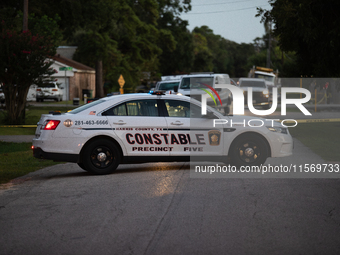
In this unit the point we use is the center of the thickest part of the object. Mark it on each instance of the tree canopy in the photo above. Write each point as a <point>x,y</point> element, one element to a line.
<point>310,29</point>
<point>24,59</point>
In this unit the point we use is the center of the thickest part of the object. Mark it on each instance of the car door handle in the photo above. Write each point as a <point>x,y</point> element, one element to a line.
<point>177,123</point>
<point>120,122</point>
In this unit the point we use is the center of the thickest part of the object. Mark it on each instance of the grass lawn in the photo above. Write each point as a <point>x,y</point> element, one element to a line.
<point>17,131</point>
<point>322,138</point>
<point>16,159</point>
<point>33,114</point>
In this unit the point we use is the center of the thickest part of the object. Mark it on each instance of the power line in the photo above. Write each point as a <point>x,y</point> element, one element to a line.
<point>226,11</point>
<point>222,3</point>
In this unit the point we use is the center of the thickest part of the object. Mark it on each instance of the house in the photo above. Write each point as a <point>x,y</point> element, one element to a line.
<point>74,77</point>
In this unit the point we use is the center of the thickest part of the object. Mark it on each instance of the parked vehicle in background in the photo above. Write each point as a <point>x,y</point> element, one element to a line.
<point>49,90</point>
<point>168,83</point>
<point>268,74</point>
<point>196,84</point>
<point>261,93</point>
<point>32,93</point>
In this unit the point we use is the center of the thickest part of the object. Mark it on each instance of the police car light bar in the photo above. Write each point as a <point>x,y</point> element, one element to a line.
<point>158,92</point>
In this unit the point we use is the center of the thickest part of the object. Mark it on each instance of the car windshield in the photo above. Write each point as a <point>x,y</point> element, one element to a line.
<point>87,106</point>
<point>256,84</point>
<point>196,82</point>
<point>168,85</point>
<point>266,77</point>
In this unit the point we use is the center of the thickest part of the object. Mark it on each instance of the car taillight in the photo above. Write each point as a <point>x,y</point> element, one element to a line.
<point>54,89</point>
<point>51,124</point>
<point>38,89</point>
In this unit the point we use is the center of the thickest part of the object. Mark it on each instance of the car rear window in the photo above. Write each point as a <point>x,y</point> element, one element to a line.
<point>87,106</point>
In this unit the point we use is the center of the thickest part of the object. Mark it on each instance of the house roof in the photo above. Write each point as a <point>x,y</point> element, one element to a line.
<point>72,63</point>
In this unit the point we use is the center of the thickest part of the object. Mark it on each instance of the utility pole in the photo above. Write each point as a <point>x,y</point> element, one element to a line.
<point>25,28</point>
<point>25,21</point>
<point>269,44</point>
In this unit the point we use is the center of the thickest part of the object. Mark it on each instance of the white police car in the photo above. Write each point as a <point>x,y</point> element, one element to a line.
<point>137,128</point>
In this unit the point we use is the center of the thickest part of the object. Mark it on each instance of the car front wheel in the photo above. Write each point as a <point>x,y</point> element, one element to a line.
<point>249,150</point>
<point>101,157</point>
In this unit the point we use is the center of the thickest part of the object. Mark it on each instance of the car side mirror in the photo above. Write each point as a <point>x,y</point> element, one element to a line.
<point>175,88</point>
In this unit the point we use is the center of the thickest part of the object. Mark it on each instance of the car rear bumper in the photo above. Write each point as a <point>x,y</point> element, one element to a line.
<point>63,157</point>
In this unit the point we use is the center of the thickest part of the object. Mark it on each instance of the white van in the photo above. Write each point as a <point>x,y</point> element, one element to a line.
<point>196,84</point>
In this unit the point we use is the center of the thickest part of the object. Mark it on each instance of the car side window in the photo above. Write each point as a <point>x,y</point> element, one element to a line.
<point>177,108</point>
<point>119,110</point>
<point>134,108</point>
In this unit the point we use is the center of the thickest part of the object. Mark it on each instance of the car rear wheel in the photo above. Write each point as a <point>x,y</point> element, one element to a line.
<point>82,166</point>
<point>101,157</point>
<point>249,150</point>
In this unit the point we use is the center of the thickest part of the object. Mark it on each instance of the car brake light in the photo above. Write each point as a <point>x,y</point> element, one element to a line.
<point>38,89</point>
<point>52,125</point>
<point>54,90</point>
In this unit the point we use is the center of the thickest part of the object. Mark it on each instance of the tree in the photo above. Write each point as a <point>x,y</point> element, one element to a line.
<point>311,29</point>
<point>218,49</point>
<point>175,39</point>
<point>227,56</point>
<point>24,61</point>
<point>203,61</point>
<point>122,34</point>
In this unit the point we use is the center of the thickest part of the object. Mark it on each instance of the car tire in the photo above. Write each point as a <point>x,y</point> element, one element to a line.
<point>248,150</point>
<point>82,166</point>
<point>101,157</point>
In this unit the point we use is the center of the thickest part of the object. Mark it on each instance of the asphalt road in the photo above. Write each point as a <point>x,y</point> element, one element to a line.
<point>161,209</point>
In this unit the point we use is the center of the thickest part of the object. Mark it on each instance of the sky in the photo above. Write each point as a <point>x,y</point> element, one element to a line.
<point>232,19</point>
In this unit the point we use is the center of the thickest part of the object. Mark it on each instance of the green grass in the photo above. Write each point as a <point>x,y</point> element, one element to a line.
<point>16,131</point>
<point>33,114</point>
<point>321,138</point>
<point>16,159</point>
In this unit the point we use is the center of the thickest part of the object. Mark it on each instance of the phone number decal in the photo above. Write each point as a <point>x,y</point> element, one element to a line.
<point>91,122</point>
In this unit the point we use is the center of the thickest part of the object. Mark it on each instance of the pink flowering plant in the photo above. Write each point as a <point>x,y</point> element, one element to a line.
<point>25,59</point>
